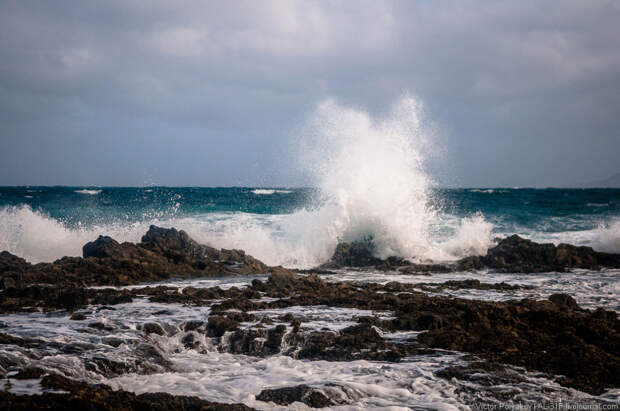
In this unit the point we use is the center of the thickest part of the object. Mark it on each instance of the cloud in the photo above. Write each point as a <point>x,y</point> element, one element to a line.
<point>180,41</point>
<point>498,77</point>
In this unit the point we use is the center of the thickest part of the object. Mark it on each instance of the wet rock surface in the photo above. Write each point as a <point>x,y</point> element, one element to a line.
<point>513,254</point>
<point>579,348</point>
<point>68,394</point>
<point>315,397</point>
<point>163,253</point>
<point>553,336</point>
<point>362,254</point>
<point>519,255</point>
<point>470,284</point>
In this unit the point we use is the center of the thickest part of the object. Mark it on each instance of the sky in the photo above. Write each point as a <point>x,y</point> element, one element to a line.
<point>206,93</point>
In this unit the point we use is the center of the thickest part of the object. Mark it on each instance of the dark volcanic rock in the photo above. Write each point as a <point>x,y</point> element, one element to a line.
<point>259,342</point>
<point>218,324</point>
<point>516,254</point>
<point>512,254</point>
<point>102,247</point>
<point>162,254</point>
<point>482,372</point>
<point>310,396</point>
<point>50,297</point>
<point>470,284</point>
<point>153,328</point>
<point>77,317</point>
<point>353,343</point>
<point>81,396</point>
<point>361,254</point>
<point>355,254</point>
<point>29,373</point>
<point>564,301</point>
<point>553,336</point>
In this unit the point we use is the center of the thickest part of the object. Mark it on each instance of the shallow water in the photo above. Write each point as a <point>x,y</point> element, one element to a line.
<point>591,289</point>
<point>211,373</point>
<point>300,227</point>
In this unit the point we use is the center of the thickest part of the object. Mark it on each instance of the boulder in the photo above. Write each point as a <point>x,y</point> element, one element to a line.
<point>218,324</point>
<point>162,254</point>
<point>355,254</point>
<point>102,247</point>
<point>312,397</point>
<point>153,328</point>
<point>74,395</point>
<point>519,255</point>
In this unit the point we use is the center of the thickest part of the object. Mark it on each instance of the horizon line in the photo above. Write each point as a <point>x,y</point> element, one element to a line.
<point>302,187</point>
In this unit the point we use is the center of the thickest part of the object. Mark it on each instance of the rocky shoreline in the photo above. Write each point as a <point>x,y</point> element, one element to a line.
<point>578,348</point>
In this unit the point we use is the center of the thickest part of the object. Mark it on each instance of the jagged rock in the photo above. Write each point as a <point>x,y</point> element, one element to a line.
<point>353,343</point>
<point>102,247</point>
<point>564,301</point>
<point>194,325</point>
<point>553,336</point>
<point>29,372</point>
<point>12,263</point>
<point>355,254</point>
<point>310,396</point>
<point>519,255</point>
<point>470,284</point>
<point>161,254</point>
<point>512,254</point>
<point>218,324</point>
<point>315,397</point>
<point>112,341</point>
<point>101,326</point>
<point>81,396</point>
<point>50,297</point>
<point>484,373</point>
<point>189,341</point>
<point>259,342</point>
<point>153,328</point>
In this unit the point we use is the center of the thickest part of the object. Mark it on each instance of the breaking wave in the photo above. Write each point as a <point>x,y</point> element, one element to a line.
<point>371,180</point>
<point>88,192</point>
<point>268,191</point>
<point>371,183</point>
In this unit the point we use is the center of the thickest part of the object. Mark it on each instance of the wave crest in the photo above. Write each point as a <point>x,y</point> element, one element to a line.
<point>607,238</point>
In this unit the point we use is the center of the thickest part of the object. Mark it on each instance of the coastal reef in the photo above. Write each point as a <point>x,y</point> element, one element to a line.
<point>392,321</point>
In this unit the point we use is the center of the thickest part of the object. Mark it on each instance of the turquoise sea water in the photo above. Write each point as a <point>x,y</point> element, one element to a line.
<point>290,219</point>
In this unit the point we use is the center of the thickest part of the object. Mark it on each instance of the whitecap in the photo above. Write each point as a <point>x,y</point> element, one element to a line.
<point>89,192</point>
<point>269,191</point>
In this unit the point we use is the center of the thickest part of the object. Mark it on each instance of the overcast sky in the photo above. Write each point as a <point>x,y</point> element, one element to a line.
<point>125,92</point>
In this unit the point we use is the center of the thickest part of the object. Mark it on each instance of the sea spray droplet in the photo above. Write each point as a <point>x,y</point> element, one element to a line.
<point>371,172</point>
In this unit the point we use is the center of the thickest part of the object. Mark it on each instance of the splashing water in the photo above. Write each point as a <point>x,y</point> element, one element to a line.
<point>370,181</point>
<point>372,174</point>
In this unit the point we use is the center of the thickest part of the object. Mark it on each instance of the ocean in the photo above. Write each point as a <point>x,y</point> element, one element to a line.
<point>299,227</point>
<point>369,181</point>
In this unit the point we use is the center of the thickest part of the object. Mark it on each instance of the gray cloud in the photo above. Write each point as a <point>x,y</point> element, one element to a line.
<point>209,93</point>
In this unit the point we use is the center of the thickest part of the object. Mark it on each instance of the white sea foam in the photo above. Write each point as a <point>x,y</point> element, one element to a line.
<point>591,289</point>
<point>371,174</point>
<point>607,237</point>
<point>219,376</point>
<point>604,237</point>
<point>89,192</point>
<point>371,180</point>
<point>269,191</point>
<point>38,237</point>
<point>371,177</point>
